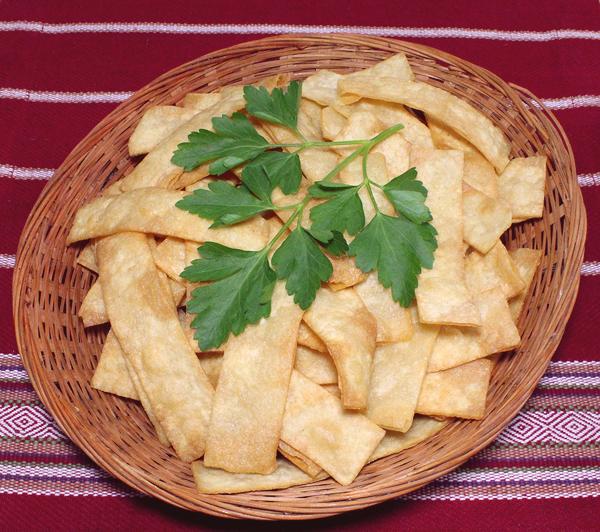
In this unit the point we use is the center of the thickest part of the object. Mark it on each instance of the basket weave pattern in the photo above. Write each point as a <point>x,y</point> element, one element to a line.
<point>60,355</point>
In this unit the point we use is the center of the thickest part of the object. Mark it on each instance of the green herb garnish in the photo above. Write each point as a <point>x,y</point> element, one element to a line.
<point>242,282</point>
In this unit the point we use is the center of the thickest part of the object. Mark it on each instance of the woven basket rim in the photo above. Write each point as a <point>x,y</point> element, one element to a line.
<point>24,260</point>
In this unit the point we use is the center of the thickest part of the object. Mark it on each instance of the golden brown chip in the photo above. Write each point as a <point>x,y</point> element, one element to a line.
<point>315,365</point>
<point>307,338</point>
<point>92,310</point>
<point>442,294</point>
<point>495,268</point>
<point>321,87</point>
<point>111,374</point>
<point>526,261</point>
<point>157,170</point>
<point>250,397</point>
<point>521,186</point>
<point>393,442</point>
<point>348,330</point>
<point>457,392</point>
<point>477,128</point>
<point>87,257</point>
<point>498,330</point>
<point>332,123</point>
<point>455,346</point>
<point>299,460</point>
<point>145,323</point>
<point>200,101</point>
<point>316,424</point>
<point>153,210</point>
<point>211,362</point>
<point>394,323</point>
<point>156,124</point>
<point>169,256</point>
<point>209,480</point>
<point>398,372</point>
<point>485,219</point>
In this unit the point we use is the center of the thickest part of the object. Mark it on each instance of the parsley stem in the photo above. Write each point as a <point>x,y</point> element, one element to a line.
<point>367,182</point>
<point>299,208</point>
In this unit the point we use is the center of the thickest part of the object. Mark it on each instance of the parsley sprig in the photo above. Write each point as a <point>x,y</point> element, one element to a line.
<point>240,283</point>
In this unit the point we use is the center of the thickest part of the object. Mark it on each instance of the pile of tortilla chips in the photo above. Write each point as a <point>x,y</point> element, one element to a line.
<point>302,396</point>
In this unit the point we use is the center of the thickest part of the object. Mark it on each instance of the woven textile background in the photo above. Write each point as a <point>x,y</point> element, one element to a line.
<point>64,65</point>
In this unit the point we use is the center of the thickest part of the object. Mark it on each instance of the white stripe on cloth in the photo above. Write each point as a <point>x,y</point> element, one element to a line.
<point>7,261</point>
<point>589,180</point>
<point>10,93</point>
<point>244,29</point>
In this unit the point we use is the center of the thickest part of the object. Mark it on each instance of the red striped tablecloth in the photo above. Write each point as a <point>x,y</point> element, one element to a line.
<point>65,66</point>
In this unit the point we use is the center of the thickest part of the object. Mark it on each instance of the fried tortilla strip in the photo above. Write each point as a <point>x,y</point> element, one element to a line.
<point>111,374</point>
<point>157,170</point>
<point>422,429</point>
<point>498,331</point>
<point>521,186</point>
<point>398,371</point>
<point>478,172</point>
<point>169,256</point>
<point>332,123</point>
<point>485,219</point>
<point>146,325</point>
<point>495,268</point>
<point>462,117</point>
<point>212,362</point>
<point>316,425</point>
<point>395,67</point>
<point>527,261</point>
<point>321,87</point>
<point>345,273</point>
<point>200,101</point>
<point>348,330</point>
<point>250,397</point>
<point>299,460</point>
<point>307,338</point>
<point>153,210</point>
<point>315,365</point>
<point>394,323</point>
<point>333,389</point>
<point>455,346</point>
<point>87,257</point>
<point>442,294</point>
<point>156,124</point>
<point>209,480</point>
<point>93,311</point>
<point>457,392</point>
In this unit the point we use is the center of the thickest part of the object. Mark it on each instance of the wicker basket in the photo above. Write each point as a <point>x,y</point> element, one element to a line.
<point>60,355</point>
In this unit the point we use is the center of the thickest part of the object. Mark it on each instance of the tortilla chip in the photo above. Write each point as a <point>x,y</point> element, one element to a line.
<point>333,389</point>
<point>309,118</point>
<point>393,321</point>
<point>495,268</point>
<point>395,67</point>
<point>398,371</point>
<point>527,262</point>
<point>316,424</point>
<point>299,460</point>
<point>321,87</point>
<point>92,311</point>
<point>153,210</point>
<point>156,124</point>
<point>209,480</point>
<point>111,374</point>
<point>421,429</point>
<point>87,257</point>
<point>457,392</point>
<point>318,367</point>
<point>485,219</point>
<point>200,101</point>
<point>498,330</point>
<point>332,123</point>
<point>250,397</point>
<point>521,186</point>
<point>211,362</point>
<point>345,273</point>
<point>307,338</point>
<point>442,294</point>
<point>455,346</point>
<point>169,256</point>
<point>348,330</point>
<point>157,170</point>
<point>146,325</point>
<point>462,117</point>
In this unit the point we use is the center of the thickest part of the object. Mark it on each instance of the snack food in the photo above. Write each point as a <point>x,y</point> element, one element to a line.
<point>464,298</point>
